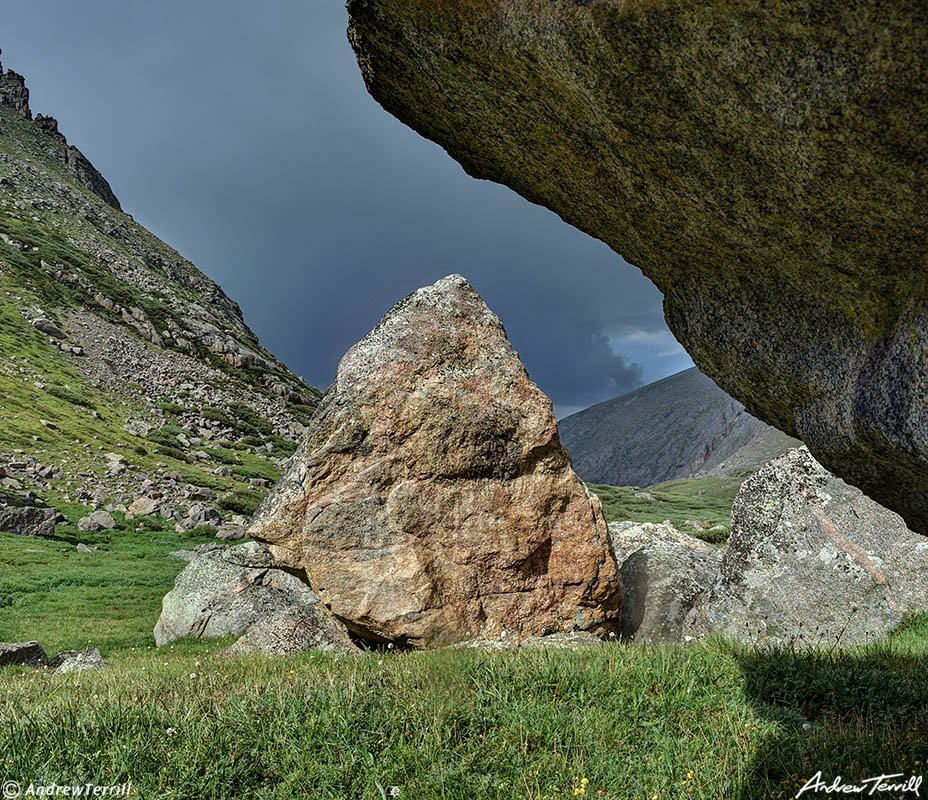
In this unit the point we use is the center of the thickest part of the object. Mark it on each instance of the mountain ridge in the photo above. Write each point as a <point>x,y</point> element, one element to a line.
<point>681,426</point>
<point>112,341</point>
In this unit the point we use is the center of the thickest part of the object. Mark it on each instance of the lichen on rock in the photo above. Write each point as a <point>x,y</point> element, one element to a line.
<point>763,163</point>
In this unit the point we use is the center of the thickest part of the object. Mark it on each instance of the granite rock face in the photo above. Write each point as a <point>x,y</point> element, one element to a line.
<point>763,163</point>
<point>225,591</point>
<point>812,561</point>
<point>433,501</point>
<point>663,572</point>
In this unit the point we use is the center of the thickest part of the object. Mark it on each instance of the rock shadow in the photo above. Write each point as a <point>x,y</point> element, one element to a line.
<point>857,714</point>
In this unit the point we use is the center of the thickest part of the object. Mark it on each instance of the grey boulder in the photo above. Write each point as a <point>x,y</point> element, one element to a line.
<point>294,630</point>
<point>30,654</point>
<point>227,590</point>
<point>49,328</point>
<point>663,571</point>
<point>812,562</point>
<point>97,521</point>
<point>28,521</point>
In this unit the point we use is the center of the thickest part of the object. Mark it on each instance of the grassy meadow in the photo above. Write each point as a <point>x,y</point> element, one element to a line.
<point>705,720</point>
<point>697,499</point>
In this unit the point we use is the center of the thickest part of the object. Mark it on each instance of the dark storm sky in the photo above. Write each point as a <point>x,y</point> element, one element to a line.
<point>241,134</point>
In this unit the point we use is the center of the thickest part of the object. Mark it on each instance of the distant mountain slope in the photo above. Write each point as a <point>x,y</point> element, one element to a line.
<point>678,427</point>
<point>112,343</point>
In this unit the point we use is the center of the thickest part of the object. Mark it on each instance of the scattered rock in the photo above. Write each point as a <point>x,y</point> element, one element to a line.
<point>29,654</point>
<point>96,521</point>
<point>226,591</point>
<point>83,548</point>
<point>433,496</point>
<point>569,640</point>
<point>294,630</point>
<point>28,521</point>
<point>663,572</point>
<point>812,561</point>
<point>137,428</point>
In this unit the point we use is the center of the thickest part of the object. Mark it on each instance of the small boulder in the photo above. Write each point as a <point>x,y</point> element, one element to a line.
<point>812,562</point>
<point>226,591</point>
<point>143,507</point>
<point>83,548</point>
<point>231,533</point>
<point>97,521</point>
<point>49,328</point>
<point>77,661</point>
<point>663,572</point>
<point>28,521</point>
<point>137,428</point>
<point>30,654</point>
<point>294,630</point>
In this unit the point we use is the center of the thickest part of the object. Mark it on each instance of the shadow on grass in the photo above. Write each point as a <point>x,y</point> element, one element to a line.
<point>857,714</point>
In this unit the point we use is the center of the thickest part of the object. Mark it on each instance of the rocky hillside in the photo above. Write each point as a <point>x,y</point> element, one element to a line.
<point>679,427</point>
<point>125,373</point>
<point>763,163</point>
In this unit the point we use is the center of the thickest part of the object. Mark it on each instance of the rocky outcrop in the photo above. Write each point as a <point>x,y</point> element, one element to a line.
<point>812,562</point>
<point>295,630</point>
<point>663,573</point>
<point>225,591</point>
<point>13,92</point>
<point>89,176</point>
<point>763,163</point>
<point>433,501</point>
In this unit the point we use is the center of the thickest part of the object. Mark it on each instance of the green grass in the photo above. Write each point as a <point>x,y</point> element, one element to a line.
<point>710,720</point>
<point>699,499</point>
<point>111,598</point>
<point>706,720</point>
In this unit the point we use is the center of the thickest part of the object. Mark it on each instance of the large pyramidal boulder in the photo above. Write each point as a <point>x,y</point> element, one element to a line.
<point>433,501</point>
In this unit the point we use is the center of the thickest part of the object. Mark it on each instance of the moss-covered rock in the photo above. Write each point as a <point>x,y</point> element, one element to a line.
<point>766,164</point>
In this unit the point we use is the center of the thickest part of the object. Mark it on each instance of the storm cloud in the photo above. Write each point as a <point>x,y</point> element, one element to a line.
<point>242,135</point>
